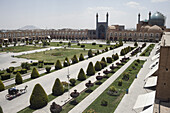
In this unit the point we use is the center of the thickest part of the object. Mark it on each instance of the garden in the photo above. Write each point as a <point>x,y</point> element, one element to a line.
<point>148,50</point>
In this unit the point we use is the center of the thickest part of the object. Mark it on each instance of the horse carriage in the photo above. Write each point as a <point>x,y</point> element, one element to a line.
<point>13,92</point>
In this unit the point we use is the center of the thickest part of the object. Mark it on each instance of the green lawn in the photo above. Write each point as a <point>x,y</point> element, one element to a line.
<point>113,101</point>
<point>90,46</point>
<point>148,50</point>
<point>19,48</point>
<point>55,44</point>
<point>54,55</point>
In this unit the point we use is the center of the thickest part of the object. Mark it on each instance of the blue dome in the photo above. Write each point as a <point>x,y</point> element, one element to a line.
<point>158,16</point>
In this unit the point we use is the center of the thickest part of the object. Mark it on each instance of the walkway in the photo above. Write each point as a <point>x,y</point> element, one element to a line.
<point>47,82</point>
<point>136,89</point>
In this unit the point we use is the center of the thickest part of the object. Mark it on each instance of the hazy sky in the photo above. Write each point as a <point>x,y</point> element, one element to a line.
<point>77,14</point>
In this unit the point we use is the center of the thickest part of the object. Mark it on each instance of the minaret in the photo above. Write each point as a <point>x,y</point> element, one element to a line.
<point>149,17</point>
<point>97,25</point>
<point>107,15</point>
<point>138,18</point>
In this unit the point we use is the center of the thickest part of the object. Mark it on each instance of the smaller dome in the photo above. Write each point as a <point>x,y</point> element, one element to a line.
<point>145,28</point>
<point>155,28</point>
<point>111,27</point>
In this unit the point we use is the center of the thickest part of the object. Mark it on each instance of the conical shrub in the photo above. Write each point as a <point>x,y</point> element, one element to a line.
<point>74,59</point>
<point>103,59</point>
<point>90,69</point>
<point>90,54</point>
<point>34,73</point>
<point>57,88</point>
<point>18,78</point>
<point>98,66</point>
<point>1,111</point>
<point>2,87</point>
<point>81,75</point>
<point>38,97</point>
<point>58,65</point>
<point>66,62</point>
<point>81,58</point>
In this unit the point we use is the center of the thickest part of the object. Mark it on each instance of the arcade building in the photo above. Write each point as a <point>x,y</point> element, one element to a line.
<point>148,30</point>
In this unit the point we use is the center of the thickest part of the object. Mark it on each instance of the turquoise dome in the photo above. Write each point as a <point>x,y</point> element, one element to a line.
<point>158,16</point>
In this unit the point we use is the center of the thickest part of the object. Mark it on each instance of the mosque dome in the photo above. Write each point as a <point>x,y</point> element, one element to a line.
<point>111,27</point>
<point>158,16</point>
<point>158,19</point>
<point>155,28</point>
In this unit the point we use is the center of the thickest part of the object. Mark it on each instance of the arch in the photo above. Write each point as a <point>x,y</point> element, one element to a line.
<point>101,32</point>
<point>111,38</point>
<point>115,38</point>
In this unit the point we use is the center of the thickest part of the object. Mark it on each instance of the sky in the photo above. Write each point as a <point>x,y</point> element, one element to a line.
<point>77,14</point>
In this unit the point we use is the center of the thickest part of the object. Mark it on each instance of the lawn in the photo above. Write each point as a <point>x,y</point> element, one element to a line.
<point>54,55</point>
<point>55,44</point>
<point>113,101</point>
<point>19,48</point>
<point>148,50</point>
<point>90,46</point>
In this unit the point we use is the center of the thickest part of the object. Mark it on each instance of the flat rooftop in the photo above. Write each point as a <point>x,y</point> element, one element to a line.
<point>165,41</point>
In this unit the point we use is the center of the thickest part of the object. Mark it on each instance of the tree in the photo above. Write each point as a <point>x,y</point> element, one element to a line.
<point>38,97</point>
<point>81,75</point>
<point>34,73</point>
<point>81,58</point>
<point>103,59</point>
<point>90,70</point>
<point>90,54</point>
<point>108,42</point>
<point>18,78</point>
<point>58,65</point>
<point>58,88</point>
<point>98,66</point>
<point>2,87</point>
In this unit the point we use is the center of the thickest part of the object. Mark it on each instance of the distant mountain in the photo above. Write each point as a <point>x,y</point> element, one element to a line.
<point>29,27</point>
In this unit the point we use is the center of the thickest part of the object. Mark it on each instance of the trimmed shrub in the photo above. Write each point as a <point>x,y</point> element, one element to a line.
<point>66,62</point>
<point>25,65</point>
<point>93,43</point>
<point>72,81</point>
<point>57,88</point>
<point>98,52</point>
<point>90,54</point>
<point>115,57</point>
<point>82,46</point>
<point>1,72</point>
<point>90,69</point>
<point>34,73</point>
<point>98,66</point>
<point>1,111</point>
<point>60,42</point>
<point>126,76</point>
<point>104,102</point>
<point>23,71</point>
<point>103,59</point>
<point>135,44</point>
<point>109,60</point>
<point>120,82</point>
<point>78,44</point>
<point>48,69</point>
<point>138,60</point>
<point>2,87</point>
<point>11,69</point>
<point>48,63</point>
<point>106,49</point>
<point>58,65</point>
<point>81,75</point>
<point>103,64</point>
<point>40,61</point>
<point>5,76</point>
<point>100,45</point>
<point>81,58</point>
<point>40,65</point>
<point>38,97</point>
<point>35,63</point>
<point>18,78</point>
<point>69,44</point>
<point>74,59</point>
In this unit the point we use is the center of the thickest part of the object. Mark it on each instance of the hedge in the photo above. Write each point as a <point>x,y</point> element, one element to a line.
<point>58,65</point>
<point>2,87</point>
<point>18,78</point>
<point>58,88</point>
<point>38,97</point>
<point>5,76</point>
